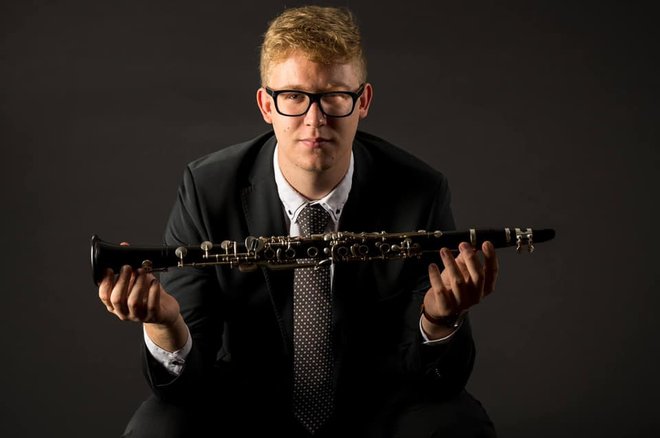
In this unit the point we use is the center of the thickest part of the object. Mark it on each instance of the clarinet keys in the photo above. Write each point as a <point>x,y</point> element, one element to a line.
<point>524,238</point>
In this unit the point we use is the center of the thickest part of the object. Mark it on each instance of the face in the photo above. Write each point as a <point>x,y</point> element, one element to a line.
<point>313,142</point>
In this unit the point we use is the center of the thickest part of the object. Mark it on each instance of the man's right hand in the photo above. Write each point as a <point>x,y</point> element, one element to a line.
<point>138,296</point>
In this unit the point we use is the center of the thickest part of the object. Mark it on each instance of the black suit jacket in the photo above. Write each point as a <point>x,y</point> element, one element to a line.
<point>241,322</point>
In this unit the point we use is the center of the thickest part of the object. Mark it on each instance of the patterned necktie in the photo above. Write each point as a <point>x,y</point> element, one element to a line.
<point>313,395</point>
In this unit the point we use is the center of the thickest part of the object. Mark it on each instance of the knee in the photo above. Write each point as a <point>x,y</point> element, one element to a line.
<point>460,417</point>
<point>156,418</point>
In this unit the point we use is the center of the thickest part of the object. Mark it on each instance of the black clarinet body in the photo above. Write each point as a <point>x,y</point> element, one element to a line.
<point>287,252</point>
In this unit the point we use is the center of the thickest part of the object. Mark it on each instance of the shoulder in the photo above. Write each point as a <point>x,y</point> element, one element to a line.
<point>231,158</point>
<point>389,159</point>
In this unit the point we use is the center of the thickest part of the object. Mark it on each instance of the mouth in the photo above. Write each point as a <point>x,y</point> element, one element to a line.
<point>315,142</point>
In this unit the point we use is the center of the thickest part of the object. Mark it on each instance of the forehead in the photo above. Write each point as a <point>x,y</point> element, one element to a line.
<point>299,72</point>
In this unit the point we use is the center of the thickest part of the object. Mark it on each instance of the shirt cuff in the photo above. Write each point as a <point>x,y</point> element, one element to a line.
<point>443,340</point>
<point>172,361</point>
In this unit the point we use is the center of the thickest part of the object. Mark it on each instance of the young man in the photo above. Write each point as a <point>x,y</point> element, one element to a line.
<point>337,351</point>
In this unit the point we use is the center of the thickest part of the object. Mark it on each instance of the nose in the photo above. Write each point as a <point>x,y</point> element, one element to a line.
<point>314,115</point>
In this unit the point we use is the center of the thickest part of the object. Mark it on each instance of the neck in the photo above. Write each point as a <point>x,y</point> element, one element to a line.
<point>314,185</point>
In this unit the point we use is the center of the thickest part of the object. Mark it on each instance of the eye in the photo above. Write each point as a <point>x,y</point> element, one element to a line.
<point>293,97</point>
<point>336,97</point>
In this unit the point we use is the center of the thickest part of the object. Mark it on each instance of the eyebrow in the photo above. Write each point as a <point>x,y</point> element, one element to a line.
<point>332,87</point>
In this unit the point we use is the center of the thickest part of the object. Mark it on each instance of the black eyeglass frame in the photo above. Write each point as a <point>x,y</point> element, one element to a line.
<point>316,97</point>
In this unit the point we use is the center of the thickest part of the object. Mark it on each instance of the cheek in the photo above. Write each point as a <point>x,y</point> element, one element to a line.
<point>347,127</point>
<point>284,126</point>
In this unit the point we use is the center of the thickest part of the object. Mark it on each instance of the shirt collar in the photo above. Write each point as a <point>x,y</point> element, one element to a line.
<point>294,202</point>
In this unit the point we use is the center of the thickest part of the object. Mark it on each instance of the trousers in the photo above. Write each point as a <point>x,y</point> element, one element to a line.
<point>460,417</point>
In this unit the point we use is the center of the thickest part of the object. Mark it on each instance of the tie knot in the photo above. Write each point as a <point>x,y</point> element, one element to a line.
<point>313,219</point>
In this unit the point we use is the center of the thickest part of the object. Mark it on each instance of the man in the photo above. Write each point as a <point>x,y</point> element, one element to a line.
<point>338,351</point>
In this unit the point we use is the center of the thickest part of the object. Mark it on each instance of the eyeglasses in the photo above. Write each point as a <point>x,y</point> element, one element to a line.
<point>294,103</point>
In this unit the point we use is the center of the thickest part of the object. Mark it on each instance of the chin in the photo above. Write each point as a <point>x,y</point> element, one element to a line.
<point>316,165</point>
<point>317,162</point>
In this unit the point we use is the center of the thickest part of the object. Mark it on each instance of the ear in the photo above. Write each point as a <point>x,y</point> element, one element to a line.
<point>265,104</point>
<point>365,100</point>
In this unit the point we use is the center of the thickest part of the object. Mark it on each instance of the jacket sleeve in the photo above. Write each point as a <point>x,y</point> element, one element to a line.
<point>446,367</point>
<point>198,293</point>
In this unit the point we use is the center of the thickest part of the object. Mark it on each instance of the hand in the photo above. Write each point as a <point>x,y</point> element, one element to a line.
<point>464,282</point>
<point>138,296</point>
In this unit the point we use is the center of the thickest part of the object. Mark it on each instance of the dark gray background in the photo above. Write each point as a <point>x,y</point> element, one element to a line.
<point>542,114</point>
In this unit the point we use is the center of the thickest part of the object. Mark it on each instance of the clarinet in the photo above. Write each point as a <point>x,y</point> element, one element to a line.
<point>316,250</point>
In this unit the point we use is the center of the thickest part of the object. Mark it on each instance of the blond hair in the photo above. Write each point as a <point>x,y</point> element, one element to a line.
<point>326,35</point>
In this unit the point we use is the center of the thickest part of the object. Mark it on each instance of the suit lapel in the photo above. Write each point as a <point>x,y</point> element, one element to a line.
<point>353,217</point>
<point>264,216</point>
<point>260,198</point>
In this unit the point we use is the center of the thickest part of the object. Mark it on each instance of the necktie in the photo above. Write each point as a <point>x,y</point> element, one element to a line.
<point>313,395</point>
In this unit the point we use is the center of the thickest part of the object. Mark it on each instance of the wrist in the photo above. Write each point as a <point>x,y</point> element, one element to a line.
<point>167,324</point>
<point>452,321</point>
<point>169,337</point>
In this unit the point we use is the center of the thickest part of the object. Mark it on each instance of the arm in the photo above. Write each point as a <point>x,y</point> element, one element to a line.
<point>175,310</point>
<point>197,293</point>
<point>447,295</point>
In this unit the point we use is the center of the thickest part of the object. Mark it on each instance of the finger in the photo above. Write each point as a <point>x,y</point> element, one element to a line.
<point>455,276</point>
<point>131,281</point>
<point>136,295</point>
<point>153,299</point>
<point>476,272</point>
<point>120,291</point>
<point>435,278</point>
<point>105,288</point>
<point>131,287</point>
<point>442,299</point>
<point>460,262</point>
<point>492,267</point>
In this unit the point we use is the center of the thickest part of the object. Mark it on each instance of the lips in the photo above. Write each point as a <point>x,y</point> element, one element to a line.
<point>314,142</point>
